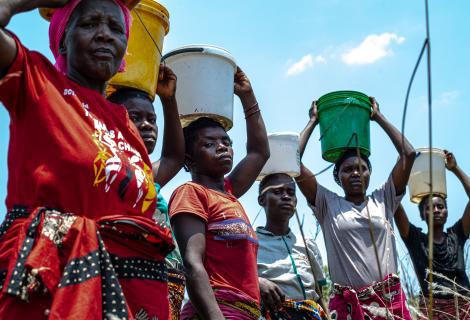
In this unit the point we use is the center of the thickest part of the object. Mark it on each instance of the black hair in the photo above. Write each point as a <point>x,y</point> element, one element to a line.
<point>122,94</point>
<point>190,132</point>
<point>425,200</point>
<point>348,153</point>
<point>267,180</point>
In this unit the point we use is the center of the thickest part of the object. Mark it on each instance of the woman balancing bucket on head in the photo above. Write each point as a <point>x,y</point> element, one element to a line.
<point>450,283</point>
<point>139,106</point>
<point>213,232</point>
<point>135,89</point>
<point>287,280</point>
<point>80,193</point>
<point>363,267</point>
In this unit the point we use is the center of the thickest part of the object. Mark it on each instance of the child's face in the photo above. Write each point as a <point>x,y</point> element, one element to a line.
<point>141,112</point>
<point>212,152</point>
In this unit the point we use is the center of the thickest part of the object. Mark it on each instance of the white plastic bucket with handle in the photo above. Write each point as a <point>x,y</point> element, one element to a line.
<point>205,83</point>
<point>285,155</point>
<point>419,182</point>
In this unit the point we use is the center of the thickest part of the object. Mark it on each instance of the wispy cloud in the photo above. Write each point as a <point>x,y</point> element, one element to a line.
<point>373,48</point>
<point>306,62</point>
<point>447,98</point>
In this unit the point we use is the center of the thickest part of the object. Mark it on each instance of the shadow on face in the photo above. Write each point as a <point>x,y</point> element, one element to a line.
<point>95,40</point>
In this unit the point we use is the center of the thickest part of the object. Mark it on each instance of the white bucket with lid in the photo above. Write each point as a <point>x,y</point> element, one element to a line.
<point>205,83</point>
<point>419,182</point>
<point>285,155</point>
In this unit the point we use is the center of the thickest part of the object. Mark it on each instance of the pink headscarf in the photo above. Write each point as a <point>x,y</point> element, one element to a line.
<point>59,22</point>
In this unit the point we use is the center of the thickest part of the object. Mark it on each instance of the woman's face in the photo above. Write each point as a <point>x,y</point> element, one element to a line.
<point>95,40</point>
<point>439,209</point>
<point>350,176</point>
<point>212,152</point>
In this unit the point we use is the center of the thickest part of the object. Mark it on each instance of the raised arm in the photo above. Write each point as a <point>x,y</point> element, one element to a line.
<point>8,8</point>
<point>257,148</point>
<point>306,181</point>
<point>451,165</point>
<point>190,235</point>
<point>401,170</point>
<point>402,222</point>
<point>172,157</point>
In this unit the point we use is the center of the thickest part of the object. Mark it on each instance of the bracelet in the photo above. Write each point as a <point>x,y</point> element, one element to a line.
<point>251,108</point>
<point>252,113</point>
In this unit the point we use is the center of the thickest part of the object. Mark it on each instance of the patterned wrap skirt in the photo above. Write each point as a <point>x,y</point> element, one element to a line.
<point>57,265</point>
<point>383,300</point>
<point>298,310</point>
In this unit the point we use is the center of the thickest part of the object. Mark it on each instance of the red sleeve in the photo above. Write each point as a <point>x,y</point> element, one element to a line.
<point>24,80</point>
<point>189,198</point>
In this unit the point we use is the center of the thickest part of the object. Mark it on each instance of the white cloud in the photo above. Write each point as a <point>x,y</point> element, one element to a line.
<point>373,48</point>
<point>306,62</point>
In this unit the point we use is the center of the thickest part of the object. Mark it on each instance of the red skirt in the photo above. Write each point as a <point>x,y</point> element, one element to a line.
<point>61,266</point>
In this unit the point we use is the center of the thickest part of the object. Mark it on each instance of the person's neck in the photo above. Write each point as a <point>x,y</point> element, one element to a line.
<point>215,183</point>
<point>95,85</point>
<point>278,228</point>
<point>357,199</point>
<point>439,234</point>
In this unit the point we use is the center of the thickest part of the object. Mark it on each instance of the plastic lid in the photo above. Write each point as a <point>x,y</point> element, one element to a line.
<point>202,49</point>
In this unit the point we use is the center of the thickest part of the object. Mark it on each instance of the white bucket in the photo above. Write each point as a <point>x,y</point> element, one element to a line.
<point>285,155</point>
<point>419,178</point>
<point>205,83</point>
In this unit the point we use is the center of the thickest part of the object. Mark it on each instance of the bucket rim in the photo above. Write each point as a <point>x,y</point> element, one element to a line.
<point>290,134</point>
<point>46,13</point>
<point>345,92</point>
<point>202,49</point>
<point>292,174</point>
<point>158,9</point>
<point>436,151</point>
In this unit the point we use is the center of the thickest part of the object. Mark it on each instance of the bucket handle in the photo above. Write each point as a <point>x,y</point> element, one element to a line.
<point>333,122</point>
<point>183,50</point>
<point>149,34</point>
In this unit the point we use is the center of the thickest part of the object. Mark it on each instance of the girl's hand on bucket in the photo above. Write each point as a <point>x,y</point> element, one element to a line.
<point>375,108</point>
<point>242,85</point>
<point>451,162</point>
<point>313,112</point>
<point>166,87</point>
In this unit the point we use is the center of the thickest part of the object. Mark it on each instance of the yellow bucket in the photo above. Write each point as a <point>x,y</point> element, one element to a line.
<point>150,24</point>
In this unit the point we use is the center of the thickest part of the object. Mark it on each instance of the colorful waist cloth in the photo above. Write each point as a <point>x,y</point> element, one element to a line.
<point>232,305</point>
<point>382,301</point>
<point>298,310</point>
<point>445,309</point>
<point>61,266</point>
<point>176,284</point>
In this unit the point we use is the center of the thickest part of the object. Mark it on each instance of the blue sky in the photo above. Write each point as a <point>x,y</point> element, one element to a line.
<point>296,53</point>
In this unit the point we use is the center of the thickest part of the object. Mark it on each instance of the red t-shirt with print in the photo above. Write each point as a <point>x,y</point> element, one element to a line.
<point>70,149</point>
<point>231,243</point>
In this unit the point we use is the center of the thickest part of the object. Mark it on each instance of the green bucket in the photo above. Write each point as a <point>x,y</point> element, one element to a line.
<point>344,118</point>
